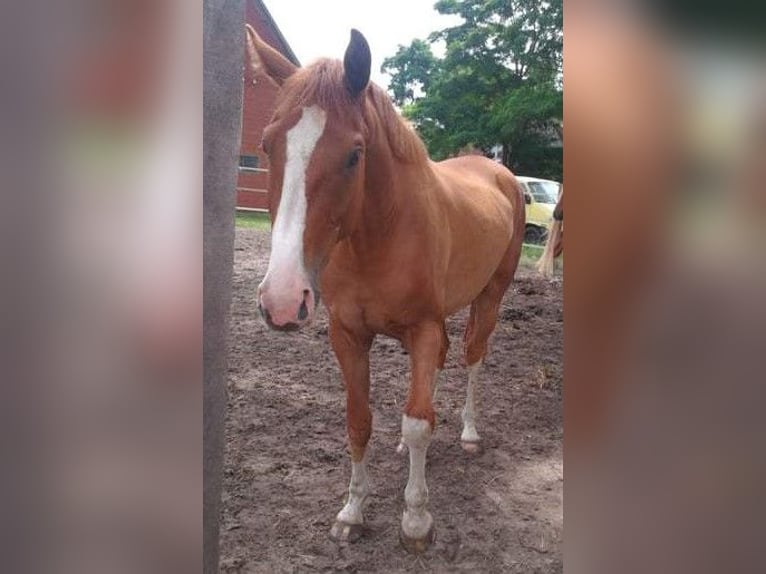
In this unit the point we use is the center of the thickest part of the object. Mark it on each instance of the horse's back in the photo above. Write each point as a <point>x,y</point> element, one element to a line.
<point>479,188</point>
<point>475,166</point>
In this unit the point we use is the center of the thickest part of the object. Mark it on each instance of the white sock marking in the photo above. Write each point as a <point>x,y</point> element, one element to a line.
<point>434,387</point>
<point>416,521</point>
<point>287,236</point>
<point>470,433</point>
<point>358,489</point>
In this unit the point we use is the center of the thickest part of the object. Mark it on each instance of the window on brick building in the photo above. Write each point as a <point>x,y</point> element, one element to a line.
<point>248,162</point>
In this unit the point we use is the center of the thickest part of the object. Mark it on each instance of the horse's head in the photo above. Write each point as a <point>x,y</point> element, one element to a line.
<point>316,147</point>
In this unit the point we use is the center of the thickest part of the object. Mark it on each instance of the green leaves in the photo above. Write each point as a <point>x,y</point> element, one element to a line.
<point>499,82</point>
<point>411,69</point>
<point>530,106</point>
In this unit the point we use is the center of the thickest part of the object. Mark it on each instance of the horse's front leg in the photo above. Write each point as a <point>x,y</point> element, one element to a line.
<point>353,352</point>
<point>426,346</point>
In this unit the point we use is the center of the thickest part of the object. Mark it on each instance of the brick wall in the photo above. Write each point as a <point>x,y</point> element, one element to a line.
<point>258,105</point>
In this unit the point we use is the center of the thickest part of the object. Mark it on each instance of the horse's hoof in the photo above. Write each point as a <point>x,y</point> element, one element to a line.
<point>418,545</point>
<point>345,532</point>
<point>401,448</point>
<point>471,447</point>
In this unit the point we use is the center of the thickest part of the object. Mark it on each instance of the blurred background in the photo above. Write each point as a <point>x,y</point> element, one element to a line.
<point>102,235</point>
<point>665,317</point>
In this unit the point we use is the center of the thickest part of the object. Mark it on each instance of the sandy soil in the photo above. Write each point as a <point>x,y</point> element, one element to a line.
<point>287,469</point>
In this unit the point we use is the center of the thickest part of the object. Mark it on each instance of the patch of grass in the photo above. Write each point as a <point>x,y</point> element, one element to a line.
<point>253,219</point>
<point>531,253</point>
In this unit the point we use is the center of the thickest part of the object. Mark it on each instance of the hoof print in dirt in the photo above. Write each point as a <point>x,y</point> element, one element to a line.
<point>344,532</point>
<point>418,545</point>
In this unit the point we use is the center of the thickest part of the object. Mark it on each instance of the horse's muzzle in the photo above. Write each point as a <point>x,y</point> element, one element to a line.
<point>287,311</point>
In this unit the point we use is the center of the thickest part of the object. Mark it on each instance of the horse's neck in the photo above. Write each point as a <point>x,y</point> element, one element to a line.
<point>395,188</point>
<point>389,193</point>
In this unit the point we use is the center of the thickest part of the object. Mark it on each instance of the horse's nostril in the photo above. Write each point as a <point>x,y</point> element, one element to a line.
<point>303,312</point>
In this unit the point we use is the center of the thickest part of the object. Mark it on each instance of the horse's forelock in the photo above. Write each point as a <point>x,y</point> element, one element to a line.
<point>322,83</point>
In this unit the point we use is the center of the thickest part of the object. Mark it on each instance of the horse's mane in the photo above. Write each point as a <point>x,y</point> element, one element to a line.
<point>323,83</point>
<point>404,141</point>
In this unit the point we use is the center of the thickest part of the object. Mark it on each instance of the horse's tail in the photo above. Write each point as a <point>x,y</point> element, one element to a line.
<point>555,243</point>
<point>552,249</point>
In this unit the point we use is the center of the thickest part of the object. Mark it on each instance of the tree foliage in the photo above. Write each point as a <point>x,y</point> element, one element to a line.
<point>499,82</point>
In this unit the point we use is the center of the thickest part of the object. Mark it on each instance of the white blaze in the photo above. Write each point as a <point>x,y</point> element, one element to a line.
<point>287,236</point>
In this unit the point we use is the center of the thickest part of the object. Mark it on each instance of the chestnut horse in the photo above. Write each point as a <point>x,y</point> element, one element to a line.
<point>394,242</point>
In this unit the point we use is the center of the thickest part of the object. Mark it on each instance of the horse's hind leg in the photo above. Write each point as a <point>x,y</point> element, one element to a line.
<point>481,324</point>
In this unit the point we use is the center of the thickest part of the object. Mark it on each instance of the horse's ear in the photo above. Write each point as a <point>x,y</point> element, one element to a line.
<point>266,60</point>
<point>356,63</point>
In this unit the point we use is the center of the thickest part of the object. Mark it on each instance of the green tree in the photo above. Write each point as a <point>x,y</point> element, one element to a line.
<point>411,69</point>
<point>499,82</point>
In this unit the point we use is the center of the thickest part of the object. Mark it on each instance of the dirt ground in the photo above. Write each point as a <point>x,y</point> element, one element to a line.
<point>287,468</point>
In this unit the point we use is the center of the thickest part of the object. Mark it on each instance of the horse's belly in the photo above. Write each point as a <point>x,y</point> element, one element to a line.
<point>461,290</point>
<point>475,258</point>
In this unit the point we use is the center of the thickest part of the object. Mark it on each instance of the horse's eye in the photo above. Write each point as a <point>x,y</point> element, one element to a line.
<point>353,158</point>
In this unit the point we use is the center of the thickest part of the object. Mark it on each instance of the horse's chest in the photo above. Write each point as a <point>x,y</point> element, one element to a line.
<point>386,304</point>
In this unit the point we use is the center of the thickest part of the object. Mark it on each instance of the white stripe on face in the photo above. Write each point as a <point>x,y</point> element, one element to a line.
<point>287,238</point>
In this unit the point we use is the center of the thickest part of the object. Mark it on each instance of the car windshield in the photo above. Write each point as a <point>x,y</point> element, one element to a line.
<point>544,191</point>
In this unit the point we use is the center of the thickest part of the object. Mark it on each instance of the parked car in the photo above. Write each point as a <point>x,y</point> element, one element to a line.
<point>540,195</point>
